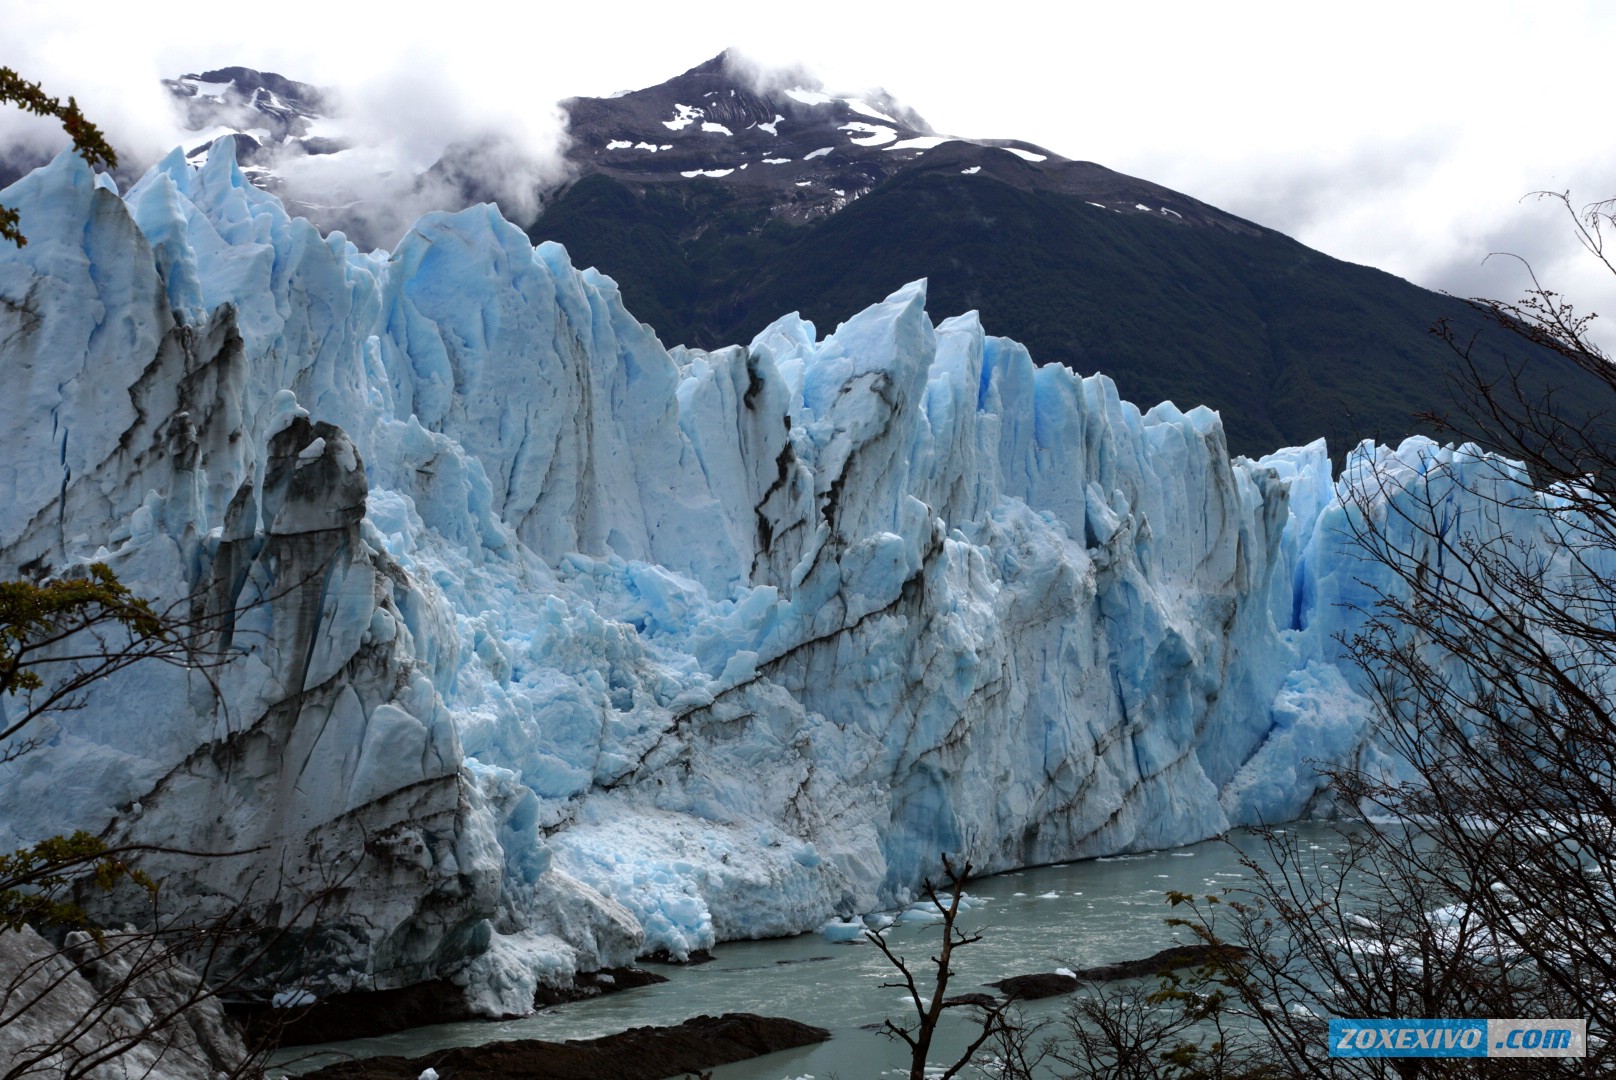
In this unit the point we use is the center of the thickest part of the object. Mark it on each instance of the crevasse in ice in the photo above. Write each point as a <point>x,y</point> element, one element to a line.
<point>551,646</point>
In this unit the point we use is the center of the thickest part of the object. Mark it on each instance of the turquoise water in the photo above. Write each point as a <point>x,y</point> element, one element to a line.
<point>1073,915</point>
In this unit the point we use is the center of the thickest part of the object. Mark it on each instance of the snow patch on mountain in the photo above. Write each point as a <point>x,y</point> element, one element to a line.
<point>683,117</point>
<point>922,142</point>
<point>864,108</point>
<point>809,97</point>
<point>873,134</point>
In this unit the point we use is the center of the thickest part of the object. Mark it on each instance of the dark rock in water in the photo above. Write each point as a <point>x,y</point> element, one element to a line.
<point>662,956</point>
<point>363,1014</point>
<point>1176,956</point>
<point>647,1053</point>
<point>1030,987</point>
<point>588,984</point>
<point>986,1001</point>
<point>358,1015</point>
<point>804,960</point>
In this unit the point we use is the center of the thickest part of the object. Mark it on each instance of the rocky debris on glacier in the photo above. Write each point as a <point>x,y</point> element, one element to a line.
<point>550,647</point>
<point>101,1010</point>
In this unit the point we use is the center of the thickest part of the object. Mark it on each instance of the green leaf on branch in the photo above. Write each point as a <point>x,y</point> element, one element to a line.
<point>35,882</point>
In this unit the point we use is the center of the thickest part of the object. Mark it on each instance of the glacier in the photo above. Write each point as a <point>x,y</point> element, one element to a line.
<point>545,646</point>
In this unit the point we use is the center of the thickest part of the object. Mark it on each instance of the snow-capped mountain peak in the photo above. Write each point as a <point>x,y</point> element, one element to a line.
<point>264,112</point>
<point>789,140</point>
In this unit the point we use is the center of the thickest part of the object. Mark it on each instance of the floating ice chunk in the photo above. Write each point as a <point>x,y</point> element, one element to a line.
<point>920,915</point>
<point>839,930</point>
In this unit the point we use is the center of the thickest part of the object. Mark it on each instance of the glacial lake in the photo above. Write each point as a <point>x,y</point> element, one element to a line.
<point>1077,914</point>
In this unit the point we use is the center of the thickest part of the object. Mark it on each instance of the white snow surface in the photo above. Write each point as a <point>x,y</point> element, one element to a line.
<point>864,108</point>
<point>583,647</point>
<point>821,152</point>
<point>921,142</point>
<point>809,97</point>
<point>872,134</point>
<point>1025,155</point>
<point>683,116</point>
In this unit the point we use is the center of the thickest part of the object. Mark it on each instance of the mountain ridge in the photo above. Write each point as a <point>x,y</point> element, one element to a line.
<point>723,196</point>
<point>1090,268</point>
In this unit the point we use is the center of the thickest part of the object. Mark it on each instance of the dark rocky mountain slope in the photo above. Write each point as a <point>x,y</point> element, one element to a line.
<point>713,235</point>
<point>718,204</point>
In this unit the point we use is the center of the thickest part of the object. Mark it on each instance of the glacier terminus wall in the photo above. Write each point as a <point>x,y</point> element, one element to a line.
<point>556,647</point>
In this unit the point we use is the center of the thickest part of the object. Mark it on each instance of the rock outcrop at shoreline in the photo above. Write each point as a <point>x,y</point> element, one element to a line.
<point>645,1053</point>
<point>1053,983</point>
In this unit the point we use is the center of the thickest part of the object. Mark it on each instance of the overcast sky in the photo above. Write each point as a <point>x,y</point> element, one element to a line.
<point>1403,135</point>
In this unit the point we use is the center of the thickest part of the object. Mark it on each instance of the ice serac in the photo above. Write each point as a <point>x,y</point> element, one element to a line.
<point>551,647</point>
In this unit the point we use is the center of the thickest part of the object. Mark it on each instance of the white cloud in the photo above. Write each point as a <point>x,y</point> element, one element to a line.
<point>1401,135</point>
